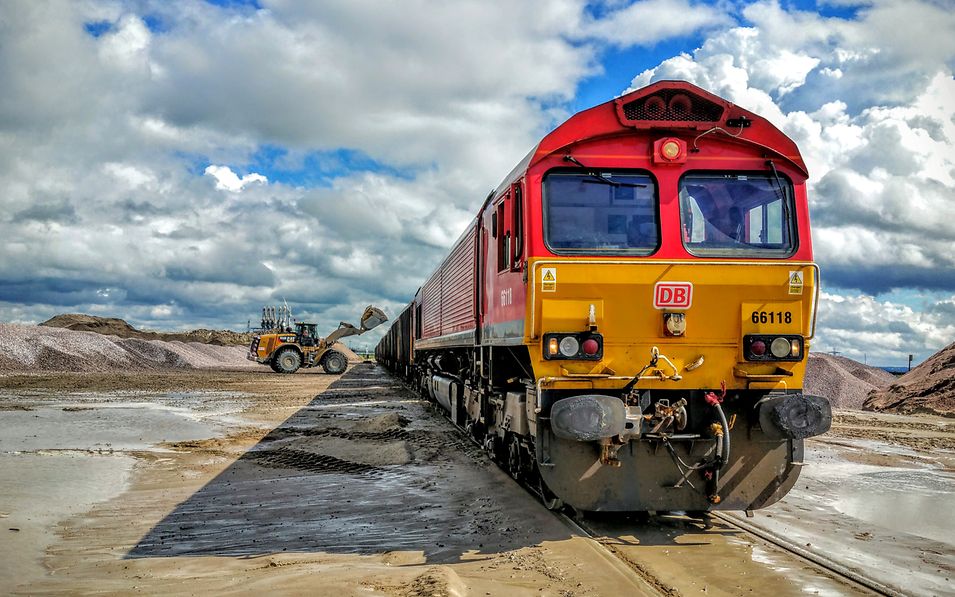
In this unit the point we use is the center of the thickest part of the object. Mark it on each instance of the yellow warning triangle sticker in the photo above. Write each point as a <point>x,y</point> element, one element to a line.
<point>549,276</point>
<point>796,278</point>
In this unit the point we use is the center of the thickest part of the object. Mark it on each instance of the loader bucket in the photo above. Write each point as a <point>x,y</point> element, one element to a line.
<point>372,318</point>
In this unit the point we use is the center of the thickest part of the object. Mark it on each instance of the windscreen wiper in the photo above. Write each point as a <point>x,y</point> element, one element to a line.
<point>598,178</point>
<point>779,190</point>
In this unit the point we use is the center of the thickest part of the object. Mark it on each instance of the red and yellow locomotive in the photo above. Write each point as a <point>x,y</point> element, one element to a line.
<point>624,325</point>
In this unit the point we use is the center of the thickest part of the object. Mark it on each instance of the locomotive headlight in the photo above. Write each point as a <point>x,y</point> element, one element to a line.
<point>569,346</point>
<point>780,348</point>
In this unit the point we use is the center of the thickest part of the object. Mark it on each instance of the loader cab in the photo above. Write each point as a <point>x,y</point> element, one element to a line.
<point>306,334</point>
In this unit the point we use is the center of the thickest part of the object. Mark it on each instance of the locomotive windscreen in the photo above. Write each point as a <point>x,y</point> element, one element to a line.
<point>605,212</point>
<point>737,215</point>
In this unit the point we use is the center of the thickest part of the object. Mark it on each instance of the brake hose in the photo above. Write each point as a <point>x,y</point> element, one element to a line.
<point>714,400</point>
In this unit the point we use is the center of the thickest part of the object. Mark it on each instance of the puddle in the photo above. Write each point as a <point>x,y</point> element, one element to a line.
<point>919,502</point>
<point>880,509</point>
<point>59,457</point>
<point>113,427</point>
<point>914,498</point>
<point>99,422</point>
<point>807,584</point>
<point>33,505</point>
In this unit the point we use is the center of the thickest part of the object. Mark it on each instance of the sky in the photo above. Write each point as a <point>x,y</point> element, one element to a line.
<point>180,163</point>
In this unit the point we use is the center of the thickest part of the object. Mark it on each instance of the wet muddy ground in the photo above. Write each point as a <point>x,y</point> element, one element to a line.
<point>251,481</point>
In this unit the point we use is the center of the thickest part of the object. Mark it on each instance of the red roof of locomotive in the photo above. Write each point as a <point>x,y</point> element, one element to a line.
<point>610,119</point>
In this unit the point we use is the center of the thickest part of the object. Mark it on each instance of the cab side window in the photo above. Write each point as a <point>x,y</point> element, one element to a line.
<point>503,234</point>
<point>517,225</point>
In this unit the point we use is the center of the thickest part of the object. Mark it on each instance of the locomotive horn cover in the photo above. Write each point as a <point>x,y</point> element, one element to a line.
<point>588,418</point>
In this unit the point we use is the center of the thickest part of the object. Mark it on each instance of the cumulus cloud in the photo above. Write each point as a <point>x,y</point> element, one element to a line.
<point>649,21</point>
<point>227,180</point>
<point>884,332</point>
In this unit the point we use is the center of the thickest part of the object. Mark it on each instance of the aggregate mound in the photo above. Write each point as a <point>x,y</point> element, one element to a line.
<point>928,388</point>
<point>35,348</point>
<point>112,326</point>
<point>350,355</point>
<point>845,382</point>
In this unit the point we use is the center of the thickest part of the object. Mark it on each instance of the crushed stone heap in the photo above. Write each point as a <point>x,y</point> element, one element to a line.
<point>111,326</point>
<point>845,382</point>
<point>25,348</point>
<point>928,388</point>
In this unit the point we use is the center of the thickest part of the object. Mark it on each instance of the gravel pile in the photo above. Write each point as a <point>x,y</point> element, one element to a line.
<point>35,348</point>
<point>929,388</point>
<point>111,326</point>
<point>845,382</point>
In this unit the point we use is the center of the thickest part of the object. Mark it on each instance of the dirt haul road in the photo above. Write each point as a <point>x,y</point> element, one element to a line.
<point>211,482</point>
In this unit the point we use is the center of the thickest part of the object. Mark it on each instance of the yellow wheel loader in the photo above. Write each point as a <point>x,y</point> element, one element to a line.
<point>286,347</point>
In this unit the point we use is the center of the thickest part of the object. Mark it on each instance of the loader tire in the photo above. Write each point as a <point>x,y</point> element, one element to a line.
<point>287,360</point>
<point>334,363</point>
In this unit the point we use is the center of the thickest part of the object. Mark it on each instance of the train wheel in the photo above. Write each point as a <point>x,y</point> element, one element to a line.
<point>492,445</point>
<point>476,431</point>
<point>514,464</point>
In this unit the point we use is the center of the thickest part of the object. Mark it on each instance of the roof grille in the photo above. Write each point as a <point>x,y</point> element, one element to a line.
<point>673,105</point>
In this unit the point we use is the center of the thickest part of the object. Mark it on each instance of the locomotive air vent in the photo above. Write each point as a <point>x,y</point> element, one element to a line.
<point>673,105</point>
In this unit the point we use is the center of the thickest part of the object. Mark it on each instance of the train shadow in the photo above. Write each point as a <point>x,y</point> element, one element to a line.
<point>365,468</point>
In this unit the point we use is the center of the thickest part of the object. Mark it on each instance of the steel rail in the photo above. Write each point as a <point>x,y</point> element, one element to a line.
<point>821,561</point>
<point>640,577</point>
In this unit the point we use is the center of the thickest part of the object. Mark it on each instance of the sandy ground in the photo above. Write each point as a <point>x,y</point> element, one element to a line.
<point>247,481</point>
<point>284,485</point>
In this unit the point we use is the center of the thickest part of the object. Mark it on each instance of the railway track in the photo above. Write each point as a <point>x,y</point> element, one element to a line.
<point>828,564</point>
<point>650,581</point>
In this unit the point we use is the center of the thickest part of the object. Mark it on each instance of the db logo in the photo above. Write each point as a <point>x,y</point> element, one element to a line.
<point>672,295</point>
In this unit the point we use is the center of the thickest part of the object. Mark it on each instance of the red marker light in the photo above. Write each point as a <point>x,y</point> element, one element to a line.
<point>590,347</point>
<point>758,348</point>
